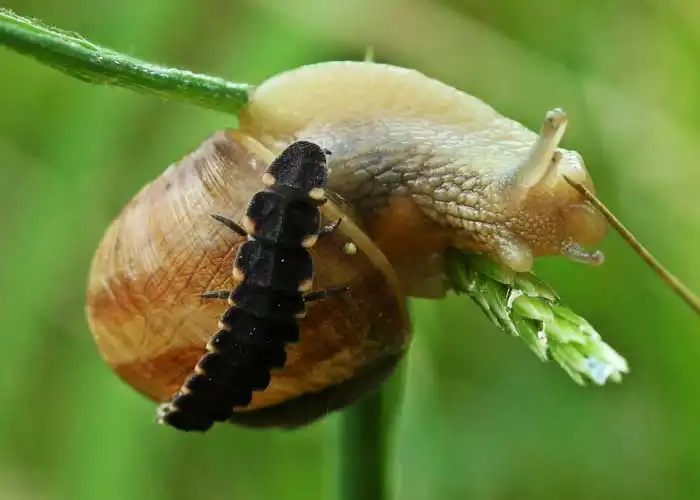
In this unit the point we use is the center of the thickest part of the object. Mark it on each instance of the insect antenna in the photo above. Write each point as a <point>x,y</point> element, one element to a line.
<point>677,285</point>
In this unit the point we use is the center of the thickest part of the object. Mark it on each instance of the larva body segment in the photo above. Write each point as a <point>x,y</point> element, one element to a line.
<point>287,269</point>
<point>275,267</point>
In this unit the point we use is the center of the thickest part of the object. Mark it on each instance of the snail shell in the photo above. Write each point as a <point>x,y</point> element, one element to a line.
<point>164,249</point>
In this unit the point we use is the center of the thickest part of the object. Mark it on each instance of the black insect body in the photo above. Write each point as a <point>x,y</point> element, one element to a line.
<point>274,270</point>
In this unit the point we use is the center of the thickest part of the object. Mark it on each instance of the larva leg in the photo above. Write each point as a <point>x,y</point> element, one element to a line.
<point>326,292</point>
<point>329,228</point>
<point>216,294</point>
<point>230,224</point>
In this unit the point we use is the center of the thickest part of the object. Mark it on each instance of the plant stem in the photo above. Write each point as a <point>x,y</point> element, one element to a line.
<point>363,450</point>
<point>364,442</point>
<point>91,63</point>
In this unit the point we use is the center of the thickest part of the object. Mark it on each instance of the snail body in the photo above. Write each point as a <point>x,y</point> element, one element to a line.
<point>484,183</point>
<point>418,167</point>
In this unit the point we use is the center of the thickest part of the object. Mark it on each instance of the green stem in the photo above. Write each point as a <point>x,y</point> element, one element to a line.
<point>364,445</point>
<point>91,63</point>
<point>363,450</point>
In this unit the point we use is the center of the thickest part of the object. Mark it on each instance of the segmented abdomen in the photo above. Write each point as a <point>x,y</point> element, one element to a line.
<point>239,362</point>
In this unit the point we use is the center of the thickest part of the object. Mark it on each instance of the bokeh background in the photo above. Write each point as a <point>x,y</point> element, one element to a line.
<point>482,418</point>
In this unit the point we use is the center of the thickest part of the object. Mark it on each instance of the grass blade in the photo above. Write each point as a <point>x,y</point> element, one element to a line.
<point>82,59</point>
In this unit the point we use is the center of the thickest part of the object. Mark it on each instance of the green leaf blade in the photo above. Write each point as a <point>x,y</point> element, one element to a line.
<point>86,61</point>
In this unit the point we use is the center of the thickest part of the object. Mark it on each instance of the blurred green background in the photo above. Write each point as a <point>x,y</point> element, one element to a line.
<point>482,418</point>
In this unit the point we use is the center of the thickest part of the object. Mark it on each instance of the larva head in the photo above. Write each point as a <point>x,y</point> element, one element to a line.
<point>302,165</point>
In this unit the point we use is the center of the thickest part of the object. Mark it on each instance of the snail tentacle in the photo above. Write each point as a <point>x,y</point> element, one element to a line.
<point>577,253</point>
<point>541,159</point>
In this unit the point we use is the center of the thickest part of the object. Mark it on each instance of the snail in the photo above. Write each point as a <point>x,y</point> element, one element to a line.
<point>417,167</point>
